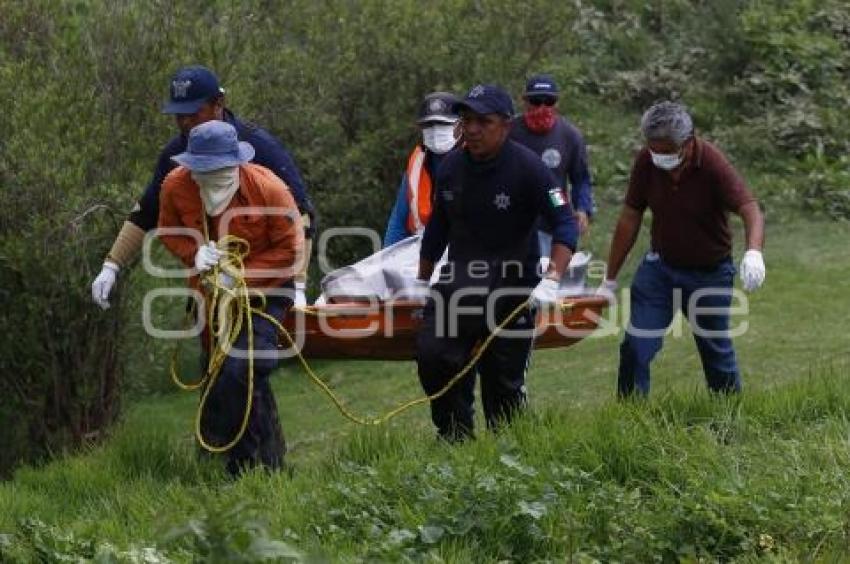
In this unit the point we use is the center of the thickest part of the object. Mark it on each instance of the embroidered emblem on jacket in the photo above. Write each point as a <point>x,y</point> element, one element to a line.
<point>551,157</point>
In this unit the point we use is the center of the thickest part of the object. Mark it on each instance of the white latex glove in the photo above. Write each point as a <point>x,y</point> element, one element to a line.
<point>207,257</point>
<point>752,270</point>
<point>300,296</point>
<point>102,285</point>
<point>546,292</point>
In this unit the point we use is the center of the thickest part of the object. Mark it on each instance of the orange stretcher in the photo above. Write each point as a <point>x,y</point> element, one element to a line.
<point>387,330</point>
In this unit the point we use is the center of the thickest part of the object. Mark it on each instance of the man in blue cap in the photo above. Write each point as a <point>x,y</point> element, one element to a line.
<point>215,177</point>
<point>489,196</point>
<point>559,144</point>
<point>195,98</point>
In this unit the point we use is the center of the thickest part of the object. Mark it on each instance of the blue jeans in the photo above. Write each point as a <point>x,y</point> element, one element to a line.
<point>653,290</point>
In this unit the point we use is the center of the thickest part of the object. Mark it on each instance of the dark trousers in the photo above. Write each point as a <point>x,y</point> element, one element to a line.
<point>263,442</point>
<point>502,369</point>
<point>653,290</point>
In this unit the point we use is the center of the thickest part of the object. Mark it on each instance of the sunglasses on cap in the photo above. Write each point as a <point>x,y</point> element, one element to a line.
<point>541,100</point>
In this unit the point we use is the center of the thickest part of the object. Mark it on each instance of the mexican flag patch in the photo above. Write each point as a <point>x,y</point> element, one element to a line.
<point>557,197</point>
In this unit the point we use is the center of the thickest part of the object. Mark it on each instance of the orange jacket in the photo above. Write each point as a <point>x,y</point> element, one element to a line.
<point>418,191</point>
<point>274,238</point>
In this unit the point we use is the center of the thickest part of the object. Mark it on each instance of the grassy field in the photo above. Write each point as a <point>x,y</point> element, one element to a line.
<point>682,476</point>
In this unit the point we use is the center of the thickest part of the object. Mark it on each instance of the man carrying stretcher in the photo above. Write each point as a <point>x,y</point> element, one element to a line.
<point>489,195</point>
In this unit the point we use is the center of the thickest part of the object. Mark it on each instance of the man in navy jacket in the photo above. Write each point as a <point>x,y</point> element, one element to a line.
<point>489,196</point>
<point>196,98</point>
<point>560,145</point>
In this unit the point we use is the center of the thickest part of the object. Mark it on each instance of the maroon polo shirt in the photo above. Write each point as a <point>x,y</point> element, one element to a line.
<point>690,217</point>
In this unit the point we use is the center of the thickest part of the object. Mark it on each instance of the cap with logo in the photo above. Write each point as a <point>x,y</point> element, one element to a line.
<point>487,99</point>
<point>190,88</point>
<point>438,107</point>
<point>213,145</point>
<point>541,85</point>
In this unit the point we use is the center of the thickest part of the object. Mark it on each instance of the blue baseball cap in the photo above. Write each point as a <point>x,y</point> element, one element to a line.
<point>541,85</point>
<point>487,99</point>
<point>213,145</point>
<point>190,88</point>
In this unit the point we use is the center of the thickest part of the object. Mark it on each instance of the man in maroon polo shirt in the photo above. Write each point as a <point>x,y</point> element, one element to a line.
<point>690,187</point>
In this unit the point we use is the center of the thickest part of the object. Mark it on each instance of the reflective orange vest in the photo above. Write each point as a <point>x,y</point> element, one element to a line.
<point>418,191</point>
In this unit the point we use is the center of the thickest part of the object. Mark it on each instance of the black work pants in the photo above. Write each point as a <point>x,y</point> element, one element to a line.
<point>263,443</point>
<point>502,368</point>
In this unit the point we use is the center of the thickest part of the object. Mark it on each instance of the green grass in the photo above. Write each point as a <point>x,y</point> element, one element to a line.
<point>681,476</point>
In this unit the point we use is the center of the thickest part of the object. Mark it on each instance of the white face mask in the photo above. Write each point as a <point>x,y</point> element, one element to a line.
<point>439,138</point>
<point>217,188</point>
<point>666,162</point>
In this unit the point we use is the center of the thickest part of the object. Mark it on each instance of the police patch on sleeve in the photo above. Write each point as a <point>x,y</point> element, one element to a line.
<point>557,197</point>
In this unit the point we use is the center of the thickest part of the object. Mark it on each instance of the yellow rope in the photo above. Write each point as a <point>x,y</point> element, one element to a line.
<point>228,309</point>
<point>238,311</point>
<point>405,406</point>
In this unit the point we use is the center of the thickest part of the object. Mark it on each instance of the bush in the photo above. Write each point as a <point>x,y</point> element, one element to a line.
<point>73,107</point>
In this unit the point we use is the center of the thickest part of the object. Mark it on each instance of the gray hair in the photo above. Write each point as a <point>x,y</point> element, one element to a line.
<point>667,121</point>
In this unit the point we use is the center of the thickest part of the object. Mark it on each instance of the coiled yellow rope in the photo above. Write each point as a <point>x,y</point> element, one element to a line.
<point>229,309</point>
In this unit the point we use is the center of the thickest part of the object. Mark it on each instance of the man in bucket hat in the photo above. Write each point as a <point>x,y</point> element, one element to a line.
<point>195,97</point>
<point>216,192</point>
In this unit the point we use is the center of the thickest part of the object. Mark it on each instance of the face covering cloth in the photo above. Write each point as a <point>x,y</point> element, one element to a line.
<point>439,138</point>
<point>217,188</point>
<point>540,119</point>
<point>666,162</point>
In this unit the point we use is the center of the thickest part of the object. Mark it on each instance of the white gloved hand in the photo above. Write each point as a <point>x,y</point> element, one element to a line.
<point>207,257</point>
<point>102,285</point>
<point>300,296</point>
<point>546,292</point>
<point>752,270</point>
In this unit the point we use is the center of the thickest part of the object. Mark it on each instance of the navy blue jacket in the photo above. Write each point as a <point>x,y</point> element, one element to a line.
<point>270,153</point>
<point>488,210</point>
<point>563,150</point>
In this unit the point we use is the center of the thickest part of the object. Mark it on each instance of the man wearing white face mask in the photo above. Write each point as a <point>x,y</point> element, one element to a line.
<point>436,121</point>
<point>216,186</point>
<point>690,187</point>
